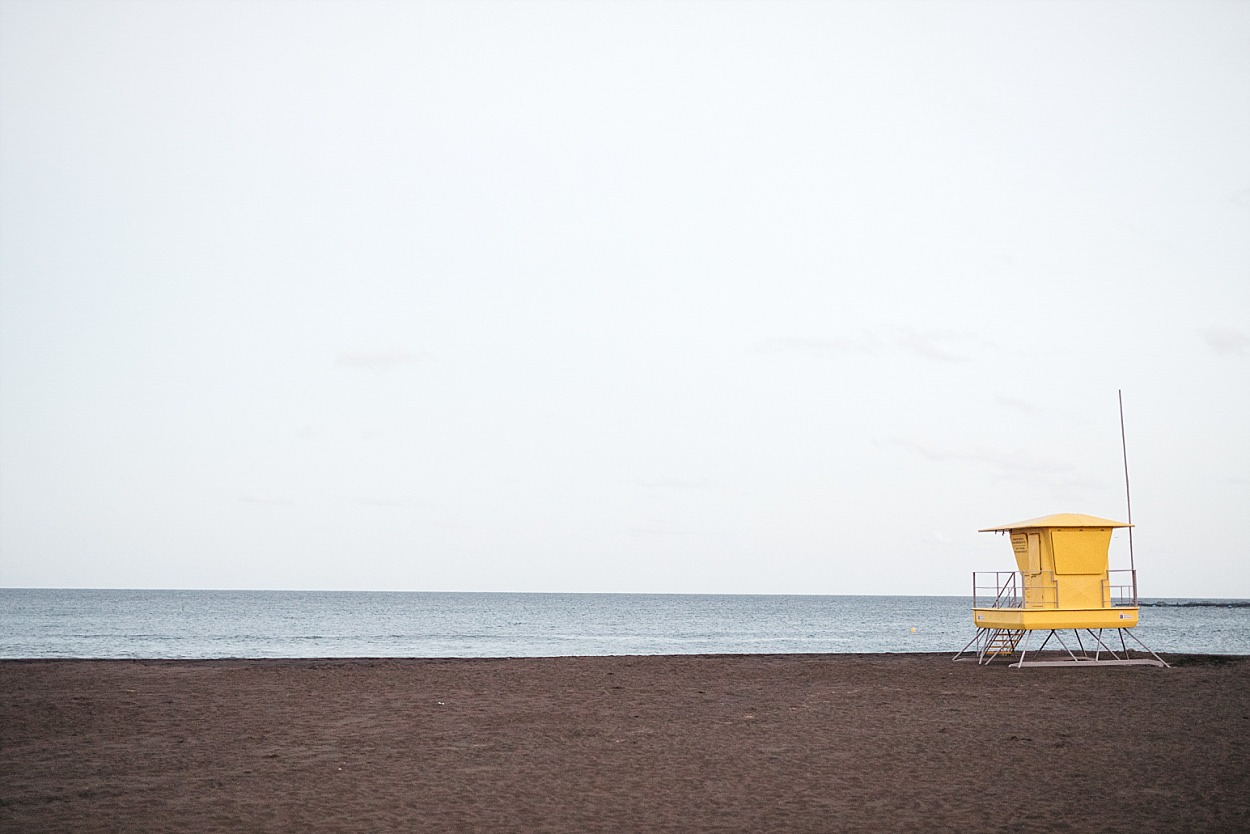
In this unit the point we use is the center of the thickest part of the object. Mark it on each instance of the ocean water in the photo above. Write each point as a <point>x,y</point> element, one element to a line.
<point>43,623</point>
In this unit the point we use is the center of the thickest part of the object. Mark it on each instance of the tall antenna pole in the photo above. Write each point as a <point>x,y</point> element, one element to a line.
<point>1128,497</point>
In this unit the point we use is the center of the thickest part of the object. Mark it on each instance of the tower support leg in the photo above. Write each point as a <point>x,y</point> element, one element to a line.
<point>1101,648</point>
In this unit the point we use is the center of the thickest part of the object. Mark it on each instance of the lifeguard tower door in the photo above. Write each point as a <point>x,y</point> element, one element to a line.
<point>1028,550</point>
<point>1034,596</point>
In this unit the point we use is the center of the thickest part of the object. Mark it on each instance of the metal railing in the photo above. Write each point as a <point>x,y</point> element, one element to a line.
<point>996,589</point>
<point>1011,589</point>
<point>1120,588</point>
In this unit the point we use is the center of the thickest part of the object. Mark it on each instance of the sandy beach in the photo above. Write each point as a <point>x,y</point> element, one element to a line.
<point>678,743</point>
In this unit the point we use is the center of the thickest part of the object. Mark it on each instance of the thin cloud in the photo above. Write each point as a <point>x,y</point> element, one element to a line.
<point>673,483</point>
<point>658,528</point>
<point>1226,341</point>
<point>265,500</point>
<point>1016,404</point>
<point>940,347</point>
<point>931,345</point>
<point>922,450</point>
<point>812,345</point>
<point>1013,462</point>
<point>1241,199</point>
<point>1085,482</point>
<point>384,359</point>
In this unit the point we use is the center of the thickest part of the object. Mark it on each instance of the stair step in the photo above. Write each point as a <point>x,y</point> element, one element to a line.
<point>1003,642</point>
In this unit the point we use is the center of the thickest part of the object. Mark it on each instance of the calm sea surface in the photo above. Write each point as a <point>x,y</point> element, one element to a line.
<point>209,624</point>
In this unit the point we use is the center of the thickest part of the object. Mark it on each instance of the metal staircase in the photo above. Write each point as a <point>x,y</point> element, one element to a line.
<point>991,643</point>
<point>1000,642</point>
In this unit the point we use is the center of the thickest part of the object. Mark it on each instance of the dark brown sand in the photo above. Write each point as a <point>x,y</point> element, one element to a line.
<point>687,743</point>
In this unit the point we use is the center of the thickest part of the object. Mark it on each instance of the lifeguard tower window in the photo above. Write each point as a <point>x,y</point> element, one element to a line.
<point>1080,550</point>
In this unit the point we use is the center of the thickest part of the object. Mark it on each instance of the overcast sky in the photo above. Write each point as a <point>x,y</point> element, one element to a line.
<point>641,297</point>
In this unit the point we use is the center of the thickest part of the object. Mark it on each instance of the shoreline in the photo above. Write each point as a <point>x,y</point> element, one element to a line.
<point>735,742</point>
<point>1173,659</point>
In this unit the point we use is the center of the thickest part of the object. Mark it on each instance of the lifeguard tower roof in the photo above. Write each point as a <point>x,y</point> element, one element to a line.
<point>1056,520</point>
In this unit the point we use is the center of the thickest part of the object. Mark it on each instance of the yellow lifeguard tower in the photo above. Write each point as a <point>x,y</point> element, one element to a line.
<point>1062,584</point>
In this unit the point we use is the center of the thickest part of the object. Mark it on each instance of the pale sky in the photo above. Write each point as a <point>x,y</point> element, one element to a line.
<point>639,297</point>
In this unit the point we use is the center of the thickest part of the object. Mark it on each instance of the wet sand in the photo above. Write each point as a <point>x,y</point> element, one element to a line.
<point>680,743</point>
